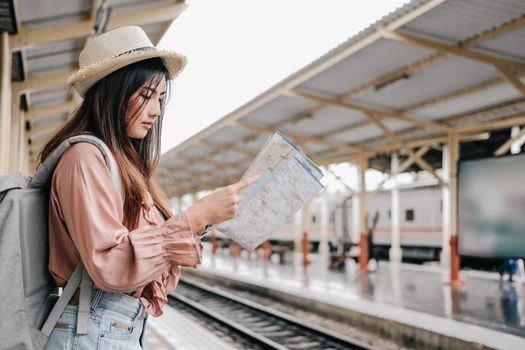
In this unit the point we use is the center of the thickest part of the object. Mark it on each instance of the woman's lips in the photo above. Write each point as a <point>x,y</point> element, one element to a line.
<point>147,125</point>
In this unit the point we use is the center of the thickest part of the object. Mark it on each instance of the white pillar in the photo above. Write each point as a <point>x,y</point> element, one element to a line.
<point>363,224</point>
<point>356,235</point>
<point>297,219</point>
<point>5,103</point>
<point>304,225</point>
<point>323,244</point>
<point>395,253</point>
<point>445,209</point>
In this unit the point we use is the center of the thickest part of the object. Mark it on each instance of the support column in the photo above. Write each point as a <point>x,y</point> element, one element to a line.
<point>446,210</point>
<point>395,253</point>
<point>300,226</point>
<point>305,229</point>
<point>5,103</point>
<point>355,226</point>
<point>363,255</point>
<point>323,243</point>
<point>14,143</point>
<point>453,185</point>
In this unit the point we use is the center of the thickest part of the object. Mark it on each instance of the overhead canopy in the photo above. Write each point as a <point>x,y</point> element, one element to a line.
<point>46,39</point>
<point>427,71</point>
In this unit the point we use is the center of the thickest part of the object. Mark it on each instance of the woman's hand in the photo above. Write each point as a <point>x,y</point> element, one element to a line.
<point>219,206</point>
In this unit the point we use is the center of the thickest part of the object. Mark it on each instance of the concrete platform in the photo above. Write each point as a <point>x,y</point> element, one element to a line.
<point>410,304</point>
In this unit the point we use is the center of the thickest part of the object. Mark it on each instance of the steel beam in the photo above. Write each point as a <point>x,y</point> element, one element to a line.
<point>27,37</point>
<point>454,50</point>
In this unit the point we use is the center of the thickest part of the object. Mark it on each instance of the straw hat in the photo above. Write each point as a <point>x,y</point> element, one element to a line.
<point>115,49</point>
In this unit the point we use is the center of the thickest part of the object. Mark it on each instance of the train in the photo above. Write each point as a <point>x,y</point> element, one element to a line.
<point>420,222</point>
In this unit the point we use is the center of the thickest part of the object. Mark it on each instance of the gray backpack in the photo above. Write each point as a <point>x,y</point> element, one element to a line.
<point>31,307</point>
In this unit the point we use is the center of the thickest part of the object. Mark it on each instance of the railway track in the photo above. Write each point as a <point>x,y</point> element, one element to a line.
<point>259,325</point>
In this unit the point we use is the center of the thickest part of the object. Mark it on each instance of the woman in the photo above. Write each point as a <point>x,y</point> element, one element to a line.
<point>132,248</point>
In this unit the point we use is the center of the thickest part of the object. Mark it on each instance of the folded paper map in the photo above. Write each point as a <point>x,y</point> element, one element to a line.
<point>288,180</point>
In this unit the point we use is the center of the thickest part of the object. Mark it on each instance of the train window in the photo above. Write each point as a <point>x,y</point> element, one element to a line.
<point>313,219</point>
<point>409,215</point>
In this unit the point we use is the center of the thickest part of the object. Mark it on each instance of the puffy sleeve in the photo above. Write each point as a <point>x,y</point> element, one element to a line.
<point>91,206</point>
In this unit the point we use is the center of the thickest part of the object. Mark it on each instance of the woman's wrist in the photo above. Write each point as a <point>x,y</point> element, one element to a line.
<point>196,220</point>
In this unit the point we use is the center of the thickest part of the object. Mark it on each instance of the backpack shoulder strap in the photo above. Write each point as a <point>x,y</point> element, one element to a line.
<point>65,297</point>
<point>45,172</point>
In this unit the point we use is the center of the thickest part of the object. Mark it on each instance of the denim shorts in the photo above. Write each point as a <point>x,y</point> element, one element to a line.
<point>117,321</point>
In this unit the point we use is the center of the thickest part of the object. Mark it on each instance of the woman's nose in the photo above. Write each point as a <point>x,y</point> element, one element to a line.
<point>154,110</point>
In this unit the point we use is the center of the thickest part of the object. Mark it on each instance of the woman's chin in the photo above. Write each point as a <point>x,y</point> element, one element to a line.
<point>137,136</point>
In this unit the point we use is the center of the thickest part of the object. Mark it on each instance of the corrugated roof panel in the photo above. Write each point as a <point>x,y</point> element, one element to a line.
<point>181,175</point>
<point>373,61</point>
<point>458,20</point>
<point>201,167</point>
<point>45,50</point>
<point>56,62</point>
<point>228,157</point>
<point>325,121</point>
<point>357,135</point>
<point>317,147</point>
<point>39,138</point>
<point>38,13</point>
<point>54,57</point>
<point>511,44</point>
<point>396,124</point>
<point>257,142</point>
<point>450,74</point>
<point>195,151</point>
<point>49,120</point>
<point>43,98</point>
<point>173,162</point>
<point>484,98</point>
<point>370,131</point>
<point>121,7</point>
<point>277,110</point>
<point>227,135</point>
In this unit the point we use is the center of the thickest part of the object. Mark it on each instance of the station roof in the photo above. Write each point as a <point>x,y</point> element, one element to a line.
<point>46,38</point>
<point>431,69</point>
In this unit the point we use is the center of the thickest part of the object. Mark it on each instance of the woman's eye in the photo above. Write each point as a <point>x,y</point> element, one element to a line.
<point>146,97</point>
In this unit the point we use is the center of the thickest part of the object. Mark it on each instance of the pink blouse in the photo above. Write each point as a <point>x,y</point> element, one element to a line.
<point>85,221</point>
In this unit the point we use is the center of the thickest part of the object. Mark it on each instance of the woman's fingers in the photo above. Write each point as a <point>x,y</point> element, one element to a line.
<point>245,182</point>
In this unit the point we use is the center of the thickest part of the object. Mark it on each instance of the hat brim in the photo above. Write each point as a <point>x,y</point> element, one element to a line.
<point>85,78</point>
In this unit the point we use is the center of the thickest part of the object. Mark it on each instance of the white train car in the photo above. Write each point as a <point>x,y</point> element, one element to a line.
<point>420,222</point>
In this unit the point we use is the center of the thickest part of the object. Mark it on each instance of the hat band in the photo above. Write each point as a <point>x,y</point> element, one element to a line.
<point>145,48</point>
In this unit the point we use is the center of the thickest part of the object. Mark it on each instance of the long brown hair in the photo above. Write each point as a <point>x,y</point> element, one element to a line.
<point>104,113</point>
